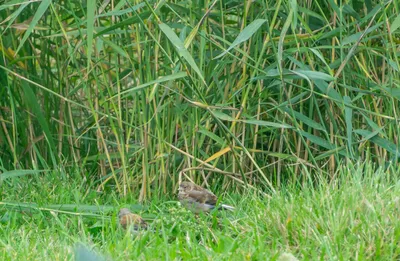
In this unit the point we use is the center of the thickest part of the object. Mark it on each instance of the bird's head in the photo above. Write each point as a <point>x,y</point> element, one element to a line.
<point>185,186</point>
<point>123,212</point>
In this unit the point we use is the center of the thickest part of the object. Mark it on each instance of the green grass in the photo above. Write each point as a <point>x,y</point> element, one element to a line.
<point>104,106</point>
<point>354,217</point>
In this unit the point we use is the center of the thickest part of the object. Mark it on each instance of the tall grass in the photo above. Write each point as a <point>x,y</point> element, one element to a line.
<point>139,94</point>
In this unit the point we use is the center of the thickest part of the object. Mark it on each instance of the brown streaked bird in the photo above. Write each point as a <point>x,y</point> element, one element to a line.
<point>198,199</point>
<point>128,219</point>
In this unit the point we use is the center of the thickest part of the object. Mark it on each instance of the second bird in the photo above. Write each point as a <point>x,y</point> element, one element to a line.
<point>198,199</point>
<point>128,219</point>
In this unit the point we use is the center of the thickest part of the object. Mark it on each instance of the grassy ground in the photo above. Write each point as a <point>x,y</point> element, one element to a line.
<point>353,218</point>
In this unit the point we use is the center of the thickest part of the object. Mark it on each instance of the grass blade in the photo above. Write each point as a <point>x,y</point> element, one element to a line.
<point>39,13</point>
<point>247,32</point>
<point>349,125</point>
<point>91,8</point>
<point>19,173</point>
<point>181,49</point>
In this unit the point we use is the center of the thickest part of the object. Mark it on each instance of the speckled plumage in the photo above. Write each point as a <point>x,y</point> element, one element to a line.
<point>128,219</point>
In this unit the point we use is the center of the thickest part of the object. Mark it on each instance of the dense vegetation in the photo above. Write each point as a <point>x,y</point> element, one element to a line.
<point>135,92</point>
<point>114,101</point>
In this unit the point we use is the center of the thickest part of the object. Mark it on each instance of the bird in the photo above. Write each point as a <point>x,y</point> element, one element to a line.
<point>198,199</point>
<point>128,219</point>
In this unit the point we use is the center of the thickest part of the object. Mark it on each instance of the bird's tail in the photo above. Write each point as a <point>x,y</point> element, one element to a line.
<point>226,207</point>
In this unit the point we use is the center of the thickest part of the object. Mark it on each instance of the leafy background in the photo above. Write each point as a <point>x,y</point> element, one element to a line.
<point>136,95</point>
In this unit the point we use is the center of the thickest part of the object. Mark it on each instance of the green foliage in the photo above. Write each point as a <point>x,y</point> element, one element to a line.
<point>138,94</point>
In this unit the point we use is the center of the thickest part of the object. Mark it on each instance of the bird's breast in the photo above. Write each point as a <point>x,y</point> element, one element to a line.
<point>195,206</point>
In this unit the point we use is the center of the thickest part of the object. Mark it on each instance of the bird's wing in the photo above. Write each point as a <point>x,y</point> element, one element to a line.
<point>203,196</point>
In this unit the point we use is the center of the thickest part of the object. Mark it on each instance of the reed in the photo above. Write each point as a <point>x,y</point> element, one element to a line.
<point>135,95</point>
